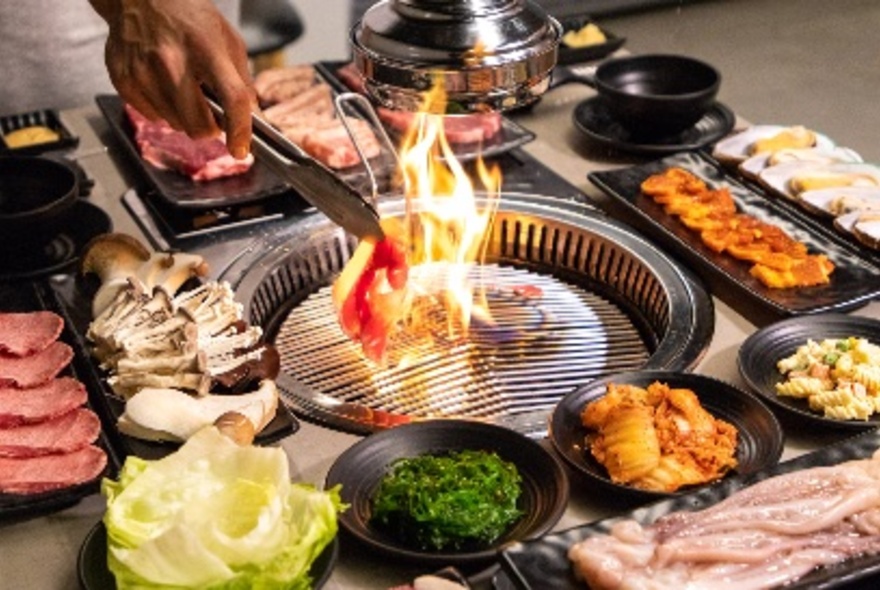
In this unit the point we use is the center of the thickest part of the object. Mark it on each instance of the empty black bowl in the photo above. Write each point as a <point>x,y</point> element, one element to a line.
<point>655,96</point>
<point>35,196</point>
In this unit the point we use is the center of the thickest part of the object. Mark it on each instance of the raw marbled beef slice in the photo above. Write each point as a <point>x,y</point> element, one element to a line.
<point>51,472</point>
<point>36,369</point>
<point>66,433</point>
<point>36,404</point>
<point>22,334</point>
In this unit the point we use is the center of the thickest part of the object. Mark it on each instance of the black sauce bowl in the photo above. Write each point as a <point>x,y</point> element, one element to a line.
<point>36,195</point>
<point>658,95</point>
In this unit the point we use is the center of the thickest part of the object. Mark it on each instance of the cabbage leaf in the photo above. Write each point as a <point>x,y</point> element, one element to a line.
<point>218,516</point>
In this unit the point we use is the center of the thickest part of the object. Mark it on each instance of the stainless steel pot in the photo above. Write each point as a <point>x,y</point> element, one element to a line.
<point>487,54</point>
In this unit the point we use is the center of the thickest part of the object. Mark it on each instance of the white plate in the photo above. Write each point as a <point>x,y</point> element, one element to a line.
<point>819,155</point>
<point>735,149</point>
<point>779,178</point>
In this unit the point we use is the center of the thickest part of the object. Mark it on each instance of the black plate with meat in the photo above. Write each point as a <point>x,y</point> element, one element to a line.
<point>37,296</point>
<point>854,282</point>
<point>511,135</point>
<point>544,563</point>
<point>74,302</point>
<point>257,184</point>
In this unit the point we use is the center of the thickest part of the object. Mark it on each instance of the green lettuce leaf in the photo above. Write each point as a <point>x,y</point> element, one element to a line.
<point>215,515</point>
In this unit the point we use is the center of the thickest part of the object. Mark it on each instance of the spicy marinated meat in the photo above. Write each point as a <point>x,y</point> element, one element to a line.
<point>779,261</point>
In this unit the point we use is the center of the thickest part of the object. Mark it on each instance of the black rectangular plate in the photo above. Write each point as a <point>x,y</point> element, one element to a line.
<point>76,307</point>
<point>854,282</point>
<point>510,136</point>
<point>46,118</point>
<point>258,183</point>
<point>572,55</point>
<point>38,296</point>
<point>543,563</point>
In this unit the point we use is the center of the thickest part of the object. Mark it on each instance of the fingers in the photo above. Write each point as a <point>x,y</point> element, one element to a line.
<point>231,81</point>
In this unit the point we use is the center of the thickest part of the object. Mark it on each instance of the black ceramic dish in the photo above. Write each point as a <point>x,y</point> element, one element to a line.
<point>854,282</point>
<point>361,468</point>
<point>759,443</point>
<point>38,296</point>
<point>257,184</point>
<point>657,95</point>
<point>593,119</point>
<point>62,251</point>
<point>48,118</point>
<point>543,563</point>
<point>93,573</point>
<point>569,55</point>
<point>36,196</point>
<point>761,351</point>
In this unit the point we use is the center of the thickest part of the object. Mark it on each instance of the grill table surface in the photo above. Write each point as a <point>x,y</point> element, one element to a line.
<point>54,540</point>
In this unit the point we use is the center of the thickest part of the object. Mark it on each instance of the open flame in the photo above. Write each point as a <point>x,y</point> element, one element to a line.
<point>446,221</point>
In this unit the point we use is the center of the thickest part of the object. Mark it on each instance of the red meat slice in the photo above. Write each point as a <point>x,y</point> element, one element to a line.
<point>351,77</point>
<point>166,148</point>
<point>369,294</point>
<point>33,475</point>
<point>36,369</point>
<point>333,146</point>
<point>36,404</point>
<point>459,129</point>
<point>66,433</point>
<point>22,334</point>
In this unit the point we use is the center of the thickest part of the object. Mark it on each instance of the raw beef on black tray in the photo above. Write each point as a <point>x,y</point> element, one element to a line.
<point>200,159</point>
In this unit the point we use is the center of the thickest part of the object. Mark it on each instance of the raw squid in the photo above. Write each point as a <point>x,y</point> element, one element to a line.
<point>760,537</point>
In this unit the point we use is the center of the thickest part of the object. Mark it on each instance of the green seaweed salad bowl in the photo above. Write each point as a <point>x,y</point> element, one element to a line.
<point>448,492</point>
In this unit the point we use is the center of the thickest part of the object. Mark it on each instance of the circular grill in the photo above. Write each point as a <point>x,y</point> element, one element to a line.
<point>572,295</point>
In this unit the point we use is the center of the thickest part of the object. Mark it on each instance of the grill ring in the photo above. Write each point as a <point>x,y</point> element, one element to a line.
<point>568,244</point>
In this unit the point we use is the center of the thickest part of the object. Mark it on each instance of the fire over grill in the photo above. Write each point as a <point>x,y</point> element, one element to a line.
<point>608,302</point>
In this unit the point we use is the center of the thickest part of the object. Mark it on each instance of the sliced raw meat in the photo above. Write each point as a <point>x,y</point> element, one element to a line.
<point>36,369</point>
<point>302,108</point>
<point>459,129</point>
<point>22,334</point>
<point>200,159</point>
<point>333,146</point>
<point>351,77</point>
<point>277,84</point>
<point>66,433</point>
<point>36,404</point>
<point>51,472</point>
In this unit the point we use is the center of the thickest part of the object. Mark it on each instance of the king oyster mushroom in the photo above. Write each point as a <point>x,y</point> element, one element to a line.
<point>171,414</point>
<point>118,259</point>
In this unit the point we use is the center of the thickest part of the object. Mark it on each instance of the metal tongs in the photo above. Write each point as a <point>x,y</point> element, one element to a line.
<point>316,183</point>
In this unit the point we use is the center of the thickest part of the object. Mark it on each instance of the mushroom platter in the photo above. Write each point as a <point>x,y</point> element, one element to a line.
<point>172,347</point>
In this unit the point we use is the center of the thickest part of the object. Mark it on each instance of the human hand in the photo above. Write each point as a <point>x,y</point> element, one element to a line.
<point>160,52</point>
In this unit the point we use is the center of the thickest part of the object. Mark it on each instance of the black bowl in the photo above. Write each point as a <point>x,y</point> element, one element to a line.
<point>759,442</point>
<point>36,194</point>
<point>655,96</point>
<point>761,351</point>
<point>361,468</point>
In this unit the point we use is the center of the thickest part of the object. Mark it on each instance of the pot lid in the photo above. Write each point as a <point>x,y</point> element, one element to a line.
<point>488,54</point>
